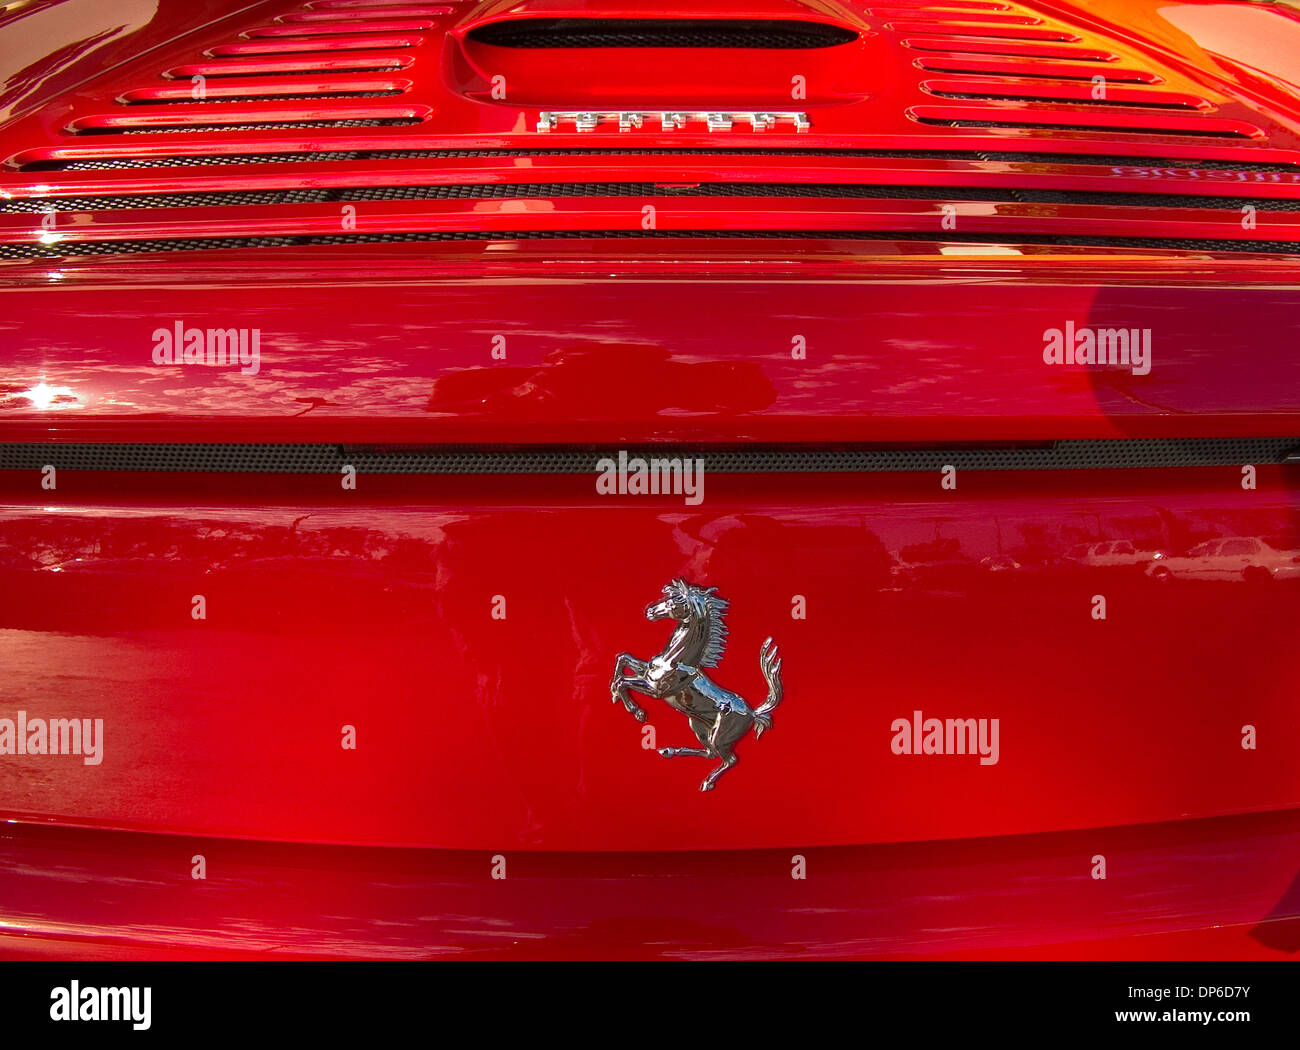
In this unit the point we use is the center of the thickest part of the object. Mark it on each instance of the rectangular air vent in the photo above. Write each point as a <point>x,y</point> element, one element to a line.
<point>727,33</point>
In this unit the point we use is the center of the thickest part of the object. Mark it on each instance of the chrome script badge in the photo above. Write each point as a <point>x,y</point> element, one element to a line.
<point>630,120</point>
<point>718,717</point>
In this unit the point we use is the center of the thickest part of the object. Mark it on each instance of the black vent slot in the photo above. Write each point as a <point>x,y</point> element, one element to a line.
<point>775,34</point>
<point>498,191</point>
<point>72,249</point>
<point>195,160</point>
<point>1129,453</point>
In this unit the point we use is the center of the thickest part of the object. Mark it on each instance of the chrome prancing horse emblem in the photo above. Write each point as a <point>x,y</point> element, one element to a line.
<point>718,717</point>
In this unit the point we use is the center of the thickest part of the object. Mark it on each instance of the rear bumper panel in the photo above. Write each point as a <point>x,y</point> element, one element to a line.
<point>1176,890</point>
<point>421,267</point>
<point>374,609</point>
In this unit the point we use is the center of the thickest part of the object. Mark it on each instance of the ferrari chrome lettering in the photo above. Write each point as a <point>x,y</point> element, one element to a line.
<point>718,717</point>
<point>668,120</point>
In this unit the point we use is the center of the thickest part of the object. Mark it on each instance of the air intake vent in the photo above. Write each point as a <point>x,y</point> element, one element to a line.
<point>1028,73</point>
<point>114,159</point>
<point>927,244</point>
<point>323,124</point>
<point>284,76</point>
<point>561,190</point>
<point>771,34</point>
<point>1130,454</point>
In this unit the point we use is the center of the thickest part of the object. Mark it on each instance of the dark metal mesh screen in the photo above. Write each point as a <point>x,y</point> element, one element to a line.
<point>779,34</point>
<point>73,249</point>
<point>328,459</point>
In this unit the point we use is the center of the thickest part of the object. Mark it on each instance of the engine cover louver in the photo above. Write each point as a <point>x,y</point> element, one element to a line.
<point>1013,77</point>
<point>973,121</point>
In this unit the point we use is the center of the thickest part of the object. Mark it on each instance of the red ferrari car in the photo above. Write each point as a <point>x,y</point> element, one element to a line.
<point>552,479</point>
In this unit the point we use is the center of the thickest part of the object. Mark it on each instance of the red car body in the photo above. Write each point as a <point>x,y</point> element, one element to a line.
<point>501,293</point>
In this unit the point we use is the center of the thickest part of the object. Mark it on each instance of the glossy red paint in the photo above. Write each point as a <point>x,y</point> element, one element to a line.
<point>372,608</point>
<point>1186,895</point>
<point>631,343</point>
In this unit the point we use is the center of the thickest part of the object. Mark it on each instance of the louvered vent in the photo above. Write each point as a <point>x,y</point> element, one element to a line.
<point>1005,66</point>
<point>274,75</point>
<point>367,122</point>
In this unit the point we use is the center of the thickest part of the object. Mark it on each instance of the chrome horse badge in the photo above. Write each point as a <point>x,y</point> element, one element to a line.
<point>718,717</point>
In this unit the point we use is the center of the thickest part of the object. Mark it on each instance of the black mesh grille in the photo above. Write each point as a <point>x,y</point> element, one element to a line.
<point>284,97</point>
<point>642,189</point>
<point>312,156</point>
<point>70,249</point>
<point>290,125</point>
<point>779,34</point>
<point>329,459</point>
